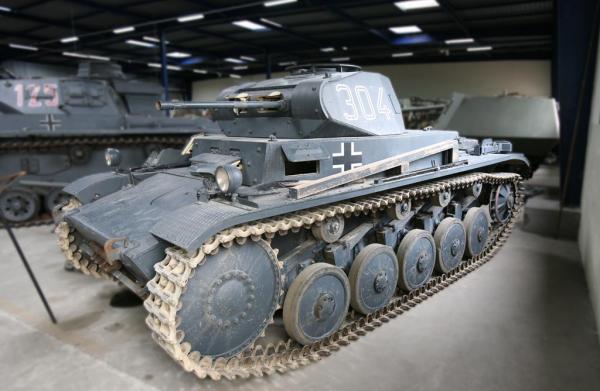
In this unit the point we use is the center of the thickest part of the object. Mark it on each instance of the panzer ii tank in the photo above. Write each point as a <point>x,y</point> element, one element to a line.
<point>55,130</point>
<point>315,217</point>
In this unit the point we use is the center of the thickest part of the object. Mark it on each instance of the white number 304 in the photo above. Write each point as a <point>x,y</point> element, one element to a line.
<point>365,107</point>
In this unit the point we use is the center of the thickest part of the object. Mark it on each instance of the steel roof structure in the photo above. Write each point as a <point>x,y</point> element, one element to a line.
<point>206,39</point>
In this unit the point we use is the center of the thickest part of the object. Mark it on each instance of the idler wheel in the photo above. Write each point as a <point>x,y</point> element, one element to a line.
<point>477,229</point>
<point>230,299</point>
<point>450,241</point>
<point>19,205</point>
<point>373,278</point>
<point>329,230</point>
<point>316,303</point>
<point>416,259</point>
<point>502,202</point>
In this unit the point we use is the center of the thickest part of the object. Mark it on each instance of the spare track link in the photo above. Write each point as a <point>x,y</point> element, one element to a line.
<point>172,274</point>
<point>51,143</point>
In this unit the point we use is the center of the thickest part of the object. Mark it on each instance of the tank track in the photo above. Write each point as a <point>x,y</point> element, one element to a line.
<point>173,272</point>
<point>69,247</point>
<point>48,143</point>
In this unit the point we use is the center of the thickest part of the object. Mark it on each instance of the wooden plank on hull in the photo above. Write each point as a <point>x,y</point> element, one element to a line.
<point>401,162</point>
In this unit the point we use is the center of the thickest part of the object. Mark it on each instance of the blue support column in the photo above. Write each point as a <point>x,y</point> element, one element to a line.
<point>164,71</point>
<point>573,66</point>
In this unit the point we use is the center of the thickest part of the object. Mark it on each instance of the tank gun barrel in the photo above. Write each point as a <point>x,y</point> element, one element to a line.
<point>242,105</point>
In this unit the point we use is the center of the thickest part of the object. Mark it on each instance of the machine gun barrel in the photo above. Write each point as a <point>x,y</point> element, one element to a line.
<point>265,105</point>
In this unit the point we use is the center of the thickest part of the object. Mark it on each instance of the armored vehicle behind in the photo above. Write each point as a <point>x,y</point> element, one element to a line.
<point>313,218</point>
<point>55,130</point>
<point>531,124</point>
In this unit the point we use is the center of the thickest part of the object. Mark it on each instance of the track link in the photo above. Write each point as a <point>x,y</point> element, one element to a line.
<point>173,272</point>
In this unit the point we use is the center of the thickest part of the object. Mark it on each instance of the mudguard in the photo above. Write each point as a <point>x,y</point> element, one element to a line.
<point>95,186</point>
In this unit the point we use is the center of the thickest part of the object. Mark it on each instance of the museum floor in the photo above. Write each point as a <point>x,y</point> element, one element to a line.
<point>521,322</point>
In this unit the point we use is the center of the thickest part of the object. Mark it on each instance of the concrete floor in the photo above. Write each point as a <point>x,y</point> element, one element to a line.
<point>521,322</point>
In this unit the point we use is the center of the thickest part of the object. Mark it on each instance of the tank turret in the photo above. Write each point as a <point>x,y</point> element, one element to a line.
<point>315,101</point>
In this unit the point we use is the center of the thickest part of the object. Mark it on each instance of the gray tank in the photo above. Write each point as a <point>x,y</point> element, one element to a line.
<point>55,130</point>
<point>315,217</point>
<point>530,123</point>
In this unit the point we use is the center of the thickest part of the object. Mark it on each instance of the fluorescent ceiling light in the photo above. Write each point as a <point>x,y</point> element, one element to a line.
<point>416,4</point>
<point>23,47</point>
<point>247,24</point>
<point>69,39</point>
<point>479,48</point>
<point>274,3</point>
<point>189,18</point>
<point>272,23</point>
<point>86,56</point>
<point>139,43</point>
<point>122,30</point>
<point>286,63</point>
<point>327,50</point>
<point>99,58</point>
<point>158,65</point>
<point>240,67</point>
<point>234,60</point>
<point>405,29</point>
<point>459,41</point>
<point>151,39</point>
<point>74,54</point>
<point>344,48</point>
<point>235,76</point>
<point>200,71</point>
<point>404,54</point>
<point>178,54</point>
<point>340,59</point>
<point>5,9</point>
<point>248,58</point>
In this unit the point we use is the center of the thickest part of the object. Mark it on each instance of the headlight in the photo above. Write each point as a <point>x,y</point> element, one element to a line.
<point>228,178</point>
<point>112,157</point>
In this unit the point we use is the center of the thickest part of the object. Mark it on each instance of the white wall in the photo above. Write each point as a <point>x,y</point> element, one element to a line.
<point>589,228</point>
<point>437,80</point>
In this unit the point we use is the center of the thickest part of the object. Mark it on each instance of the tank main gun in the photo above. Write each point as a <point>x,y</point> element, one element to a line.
<point>235,105</point>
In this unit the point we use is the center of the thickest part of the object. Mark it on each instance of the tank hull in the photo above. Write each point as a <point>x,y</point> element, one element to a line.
<point>315,201</point>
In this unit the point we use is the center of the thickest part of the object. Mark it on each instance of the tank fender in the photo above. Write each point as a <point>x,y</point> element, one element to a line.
<point>190,226</point>
<point>95,186</point>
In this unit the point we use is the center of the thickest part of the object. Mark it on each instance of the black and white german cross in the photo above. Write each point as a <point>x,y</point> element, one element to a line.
<point>347,158</point>
<point>50,122</point>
